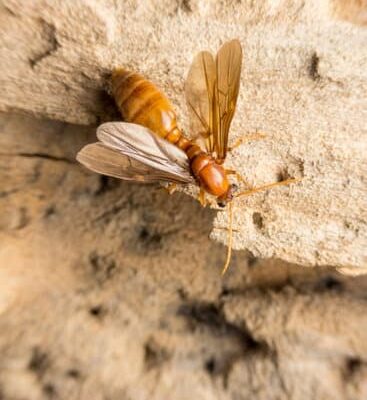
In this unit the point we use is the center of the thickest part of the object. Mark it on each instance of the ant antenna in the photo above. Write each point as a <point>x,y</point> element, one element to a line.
<point>270,185</point>
<point>246,193</point>
<point>230,237</point>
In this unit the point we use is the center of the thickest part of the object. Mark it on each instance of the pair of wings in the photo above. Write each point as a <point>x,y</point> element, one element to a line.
<point>132,152</point>
<point>211,90</point>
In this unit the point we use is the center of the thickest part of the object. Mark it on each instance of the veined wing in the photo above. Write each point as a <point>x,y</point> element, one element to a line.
<point>228,66</point>
<point>211,92</point>
<point>133,152</point>
<point>104,160</point>
<point>199,90</point>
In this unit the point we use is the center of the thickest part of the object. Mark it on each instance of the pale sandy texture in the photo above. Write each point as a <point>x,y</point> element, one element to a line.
<point>111,290</point>
<point>304,84</point>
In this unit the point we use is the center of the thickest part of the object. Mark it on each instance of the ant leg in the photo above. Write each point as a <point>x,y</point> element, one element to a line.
<point>171,188</point>
<point>270,185</point>
<point>239,177</point>
<point>224,228</point>
<point>247,138</point>
<point>230,238</point>
<point>202,197</point>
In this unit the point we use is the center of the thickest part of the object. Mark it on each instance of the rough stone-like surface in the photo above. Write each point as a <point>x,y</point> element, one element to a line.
<point>111,290</point>
<point>304,84</point>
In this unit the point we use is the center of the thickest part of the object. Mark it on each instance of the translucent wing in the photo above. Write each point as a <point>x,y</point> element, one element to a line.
<point>211,92</point>
<point>199,90</point>
<point>228,67</point>
<point>133,152</point>
<point>104,160</point>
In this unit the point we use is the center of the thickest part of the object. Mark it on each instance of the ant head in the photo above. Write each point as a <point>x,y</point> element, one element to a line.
<point>228,196</point>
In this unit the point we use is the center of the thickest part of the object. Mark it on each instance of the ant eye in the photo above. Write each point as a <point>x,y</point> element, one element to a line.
<point>221,204</point>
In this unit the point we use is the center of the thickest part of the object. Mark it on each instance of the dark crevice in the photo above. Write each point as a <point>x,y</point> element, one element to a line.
<point>154,355</point>
<point>149,238</point>
<point>111,212</point>
<point>313,69</point>
<point>185,5</point>
<point>13,14</point>
<point>50,211</point>
<point>222,366</point>
<point>282,383</point>
<point>283,175</point>
<point>252,260</point>
<point>49,32</point>
<point>103,267</point>
<point>329,283</point>
<point>210,315</point>
<point>49,390</point>
<point>44,156</point>
<point>106,184</point>
<point>39,362</point>
<point>225,292</point>
<point>182,294</point>
<point>210,366</point>
<point>73,373</point>
<point>258,220</point>
<point>98,311</point>
<point>6,193</point>
<point>352,366</point>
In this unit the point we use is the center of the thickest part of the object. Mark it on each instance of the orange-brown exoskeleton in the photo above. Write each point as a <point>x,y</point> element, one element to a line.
<point>149,146</point>
<point>140,102</point>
